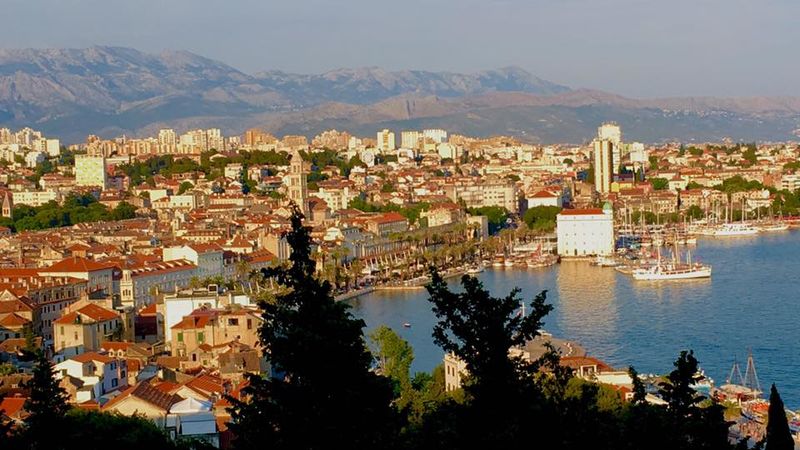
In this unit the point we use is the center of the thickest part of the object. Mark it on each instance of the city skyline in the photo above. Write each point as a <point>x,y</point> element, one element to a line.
<point>631,47</point>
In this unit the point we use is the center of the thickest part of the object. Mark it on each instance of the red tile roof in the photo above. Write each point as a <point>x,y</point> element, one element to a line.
<point>76,264</point>
<point>92,356</point>
<point>544,194</point>
<point>581,212</point>
<point>94,312</point>
<point>13,320</point>
<point>12,406</point>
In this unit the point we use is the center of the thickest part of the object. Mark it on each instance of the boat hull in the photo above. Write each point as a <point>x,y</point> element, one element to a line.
<point>664,276</point>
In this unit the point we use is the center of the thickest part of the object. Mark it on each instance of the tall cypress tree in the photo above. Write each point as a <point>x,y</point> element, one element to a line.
<point>46,406</point>
<point>779,437</point>
<point>322,392</point>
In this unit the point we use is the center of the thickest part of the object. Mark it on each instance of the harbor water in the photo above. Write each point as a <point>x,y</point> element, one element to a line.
<point>752,302</point>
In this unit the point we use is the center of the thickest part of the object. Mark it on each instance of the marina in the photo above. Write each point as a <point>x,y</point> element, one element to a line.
<point>750,302</point>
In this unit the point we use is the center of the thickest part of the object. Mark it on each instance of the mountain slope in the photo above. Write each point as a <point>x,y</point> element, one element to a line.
<point>109,91</point>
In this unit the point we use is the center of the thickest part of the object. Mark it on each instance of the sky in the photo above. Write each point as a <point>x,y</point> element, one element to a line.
<point>637,48</point>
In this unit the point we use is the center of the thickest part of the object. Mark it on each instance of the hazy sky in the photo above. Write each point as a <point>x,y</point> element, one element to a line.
<point>637,48</point>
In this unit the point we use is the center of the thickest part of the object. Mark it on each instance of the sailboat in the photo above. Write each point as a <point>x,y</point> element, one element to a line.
<point>674,270</point>
<point>733,229</point>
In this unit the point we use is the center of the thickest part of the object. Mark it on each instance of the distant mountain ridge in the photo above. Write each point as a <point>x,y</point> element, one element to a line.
<point>112,90</point>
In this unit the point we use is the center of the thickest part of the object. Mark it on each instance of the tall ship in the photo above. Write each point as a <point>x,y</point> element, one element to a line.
<point>672,270</point>
<point>735,229</point>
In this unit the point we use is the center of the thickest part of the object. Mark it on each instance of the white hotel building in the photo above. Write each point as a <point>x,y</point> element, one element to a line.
<point>585,232</point>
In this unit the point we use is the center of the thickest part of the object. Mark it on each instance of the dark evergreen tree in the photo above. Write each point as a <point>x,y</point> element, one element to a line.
<point>322,392</point>
<point>502,398</point>
<point>46,406</point>
<point>779,437</point>
<point>692,426</point>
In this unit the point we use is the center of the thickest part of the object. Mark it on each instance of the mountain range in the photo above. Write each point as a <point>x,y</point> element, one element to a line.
<point>70,93</point>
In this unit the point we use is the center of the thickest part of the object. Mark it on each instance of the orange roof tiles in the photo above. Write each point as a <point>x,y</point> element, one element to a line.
<point>76,264</point>
<point>12,406</point>
<point>92,356</point>
<point>93,312</point>
<point>579,212</point>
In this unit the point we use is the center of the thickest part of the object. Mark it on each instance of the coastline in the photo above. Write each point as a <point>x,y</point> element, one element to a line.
<point>413,285</point>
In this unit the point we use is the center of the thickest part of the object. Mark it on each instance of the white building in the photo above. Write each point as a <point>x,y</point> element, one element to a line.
<point>409,139</point>
<point>207,257</point>
<point>437,135</point>
<point>90,171</point>
<point>386,141</point>
<point>543,198</point>
<point>180,304</point>
<point>585,232</point>
<point>35,198</point>
<point>95,373</point>
<point>34,158</point>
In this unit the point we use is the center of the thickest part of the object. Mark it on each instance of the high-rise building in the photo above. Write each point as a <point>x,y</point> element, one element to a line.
<point>610,131</point>
<point>386,141</point>
<point>409,139</point>
<point>90,171</point>
<point>437,135</point>
<point>298,188</point>
<point>603,165</point>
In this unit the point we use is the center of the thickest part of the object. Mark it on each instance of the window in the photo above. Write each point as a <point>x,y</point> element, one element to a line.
<point>249,324</point>
<point>180,337</point>
<point>233,322</point>
<point>114,382</point>
<point>200,337</point>
<point>62,330</point>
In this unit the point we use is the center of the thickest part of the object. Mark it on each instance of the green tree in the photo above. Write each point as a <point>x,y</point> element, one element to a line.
<point>779,437</point>
<point>124,210</point>
<point>695,212</point>
<point>542,218</point>
<point>496,215</point>
<point>185,186</point>
<point>692,426</point>
<point>394,356</point>
<point>500,393</point>
<point>322,392</point>
<point>653,159</point>
<point>659,184</point>
<point>46,406</point>
<point>749,155</point>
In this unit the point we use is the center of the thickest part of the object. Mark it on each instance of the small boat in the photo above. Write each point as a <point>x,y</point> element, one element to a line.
<point>475,270</point>
<point>605,261</point>
<point>407,325</point>
<point>509,263</point>
<point>777,226</point>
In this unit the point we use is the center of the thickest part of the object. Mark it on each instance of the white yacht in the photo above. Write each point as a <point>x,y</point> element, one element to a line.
<point>673,270</point>
<point>735,229</point>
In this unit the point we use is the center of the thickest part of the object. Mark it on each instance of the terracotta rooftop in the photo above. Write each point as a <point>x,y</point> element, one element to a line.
<point>581,212</point>
<point>146,392</point>
<point>94,312</point>
<point>76,264</point>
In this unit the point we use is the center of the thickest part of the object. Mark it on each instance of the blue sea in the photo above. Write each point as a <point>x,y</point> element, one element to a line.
<point>751,303</point>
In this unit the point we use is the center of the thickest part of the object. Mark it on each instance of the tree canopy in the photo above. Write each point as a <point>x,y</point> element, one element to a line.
<point>321,392</point>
